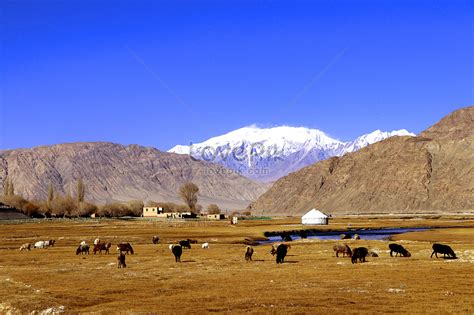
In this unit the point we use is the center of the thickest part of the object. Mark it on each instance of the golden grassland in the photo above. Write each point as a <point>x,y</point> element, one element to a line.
<point>218,279</point>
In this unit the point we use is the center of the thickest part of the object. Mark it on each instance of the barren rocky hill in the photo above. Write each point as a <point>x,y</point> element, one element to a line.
<point>433,172</point>
<point>113,172</point>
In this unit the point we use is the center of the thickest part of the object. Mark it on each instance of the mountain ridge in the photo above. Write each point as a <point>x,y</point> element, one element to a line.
<point>114,172</point>
<point>432,172</point>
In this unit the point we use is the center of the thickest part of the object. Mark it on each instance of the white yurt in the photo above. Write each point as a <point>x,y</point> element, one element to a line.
<point>314,217</point>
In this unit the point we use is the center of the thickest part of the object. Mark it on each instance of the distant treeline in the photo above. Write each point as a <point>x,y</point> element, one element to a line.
<point>70,206</point>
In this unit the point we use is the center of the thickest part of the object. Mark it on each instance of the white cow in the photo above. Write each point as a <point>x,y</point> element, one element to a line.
<point>40,244</point>
<point>205,245</point>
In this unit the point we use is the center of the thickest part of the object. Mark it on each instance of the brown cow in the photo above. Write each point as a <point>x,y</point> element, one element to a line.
<point>125,247</point>
<point>99,247</point>
<point>342,248</point>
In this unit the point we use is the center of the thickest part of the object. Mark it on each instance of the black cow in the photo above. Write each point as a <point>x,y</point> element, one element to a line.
<point>177,251</point>
<point>443,249</point>
<point>359,253</point>
<point>398,249</point>
<point>155,239</point>
<point>185,243</point>
<point>281,251</point>
<point>82,249</point>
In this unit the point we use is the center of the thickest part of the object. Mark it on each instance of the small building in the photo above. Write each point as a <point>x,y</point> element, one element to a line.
<point>158,212</point>
<point>215,216</point>
<point>315,217</point>
<point>152,212</point>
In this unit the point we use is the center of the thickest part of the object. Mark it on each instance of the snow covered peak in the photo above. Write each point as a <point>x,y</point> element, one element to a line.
<point>373,137</point>
<point>379,135</point>
<point>180,149</point>
<point>269,153</point>
<point>274,135</point>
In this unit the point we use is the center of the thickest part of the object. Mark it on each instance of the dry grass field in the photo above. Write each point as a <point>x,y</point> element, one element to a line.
<point>219,280</point>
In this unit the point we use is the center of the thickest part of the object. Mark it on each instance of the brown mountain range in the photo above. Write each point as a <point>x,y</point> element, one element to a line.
<point>433,172</point>
<point>113,172</point>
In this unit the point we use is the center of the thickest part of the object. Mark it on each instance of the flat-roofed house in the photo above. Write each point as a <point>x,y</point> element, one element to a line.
<point>153,212</point>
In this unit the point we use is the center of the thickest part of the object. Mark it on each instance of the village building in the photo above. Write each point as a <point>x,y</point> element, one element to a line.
<point>152,212</point>
<point>215,216</point>
<point>158,212</point>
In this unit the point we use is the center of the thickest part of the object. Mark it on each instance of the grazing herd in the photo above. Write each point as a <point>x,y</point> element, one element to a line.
<point>360,253</point>
<point>357,254</point>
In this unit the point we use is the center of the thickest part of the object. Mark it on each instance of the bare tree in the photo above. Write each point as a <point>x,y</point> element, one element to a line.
<point>189,193</point>
<point>81,190</point>
<point>6,182</point>
<point>136,207</point>
<point>213,209</point>
<point>50,193</point>
<point>11,189</point>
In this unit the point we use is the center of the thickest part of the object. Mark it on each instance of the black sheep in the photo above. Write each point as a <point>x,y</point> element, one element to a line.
<point>359,253</point>
<point>185,243</point>
<point>281,251</point>
<point>177,250</point>
<point>443,249</point>
<point>398,249</point>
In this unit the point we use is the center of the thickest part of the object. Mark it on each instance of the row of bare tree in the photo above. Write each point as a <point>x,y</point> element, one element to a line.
<point>68,206</point>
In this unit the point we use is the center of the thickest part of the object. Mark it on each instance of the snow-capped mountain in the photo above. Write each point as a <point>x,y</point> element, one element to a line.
<point>266,154</point>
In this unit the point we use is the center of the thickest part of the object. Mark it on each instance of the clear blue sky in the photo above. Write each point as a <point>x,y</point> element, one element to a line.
<point>160,73</point>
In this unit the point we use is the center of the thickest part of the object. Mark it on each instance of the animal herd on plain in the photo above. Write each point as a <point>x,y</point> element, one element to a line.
<point>360,253</point>
<point>357,254</point>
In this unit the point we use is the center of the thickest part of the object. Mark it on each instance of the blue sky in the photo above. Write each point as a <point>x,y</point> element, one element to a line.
<point>160,73</point>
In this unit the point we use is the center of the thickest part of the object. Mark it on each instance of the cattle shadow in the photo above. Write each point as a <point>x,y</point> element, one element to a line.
<point>258,260</point>
<point>188,261</point>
